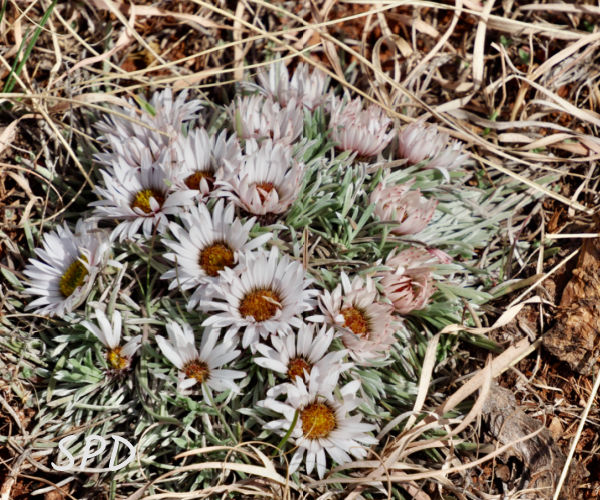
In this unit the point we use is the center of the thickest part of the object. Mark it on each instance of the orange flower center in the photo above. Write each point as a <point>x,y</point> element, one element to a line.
<point>73,277</point>
<point>318,420</point>
<point>215,258</point>
<point>142,199</point>
<point>355,320</point>
<point>193,181</point>
<point>116,360</point>
<point>297,367</point>
<point>261,304</point>
<point>196,369</point>
<point>264,188</point>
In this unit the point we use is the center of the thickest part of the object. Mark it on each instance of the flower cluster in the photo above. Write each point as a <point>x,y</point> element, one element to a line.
<point>211,206</point>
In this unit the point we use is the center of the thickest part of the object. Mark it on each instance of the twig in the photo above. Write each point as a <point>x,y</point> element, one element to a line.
<point>580,427</point>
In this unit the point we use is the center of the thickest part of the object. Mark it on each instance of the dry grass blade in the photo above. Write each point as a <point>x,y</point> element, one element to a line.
<point>398,450</point>
<point>438,474</point>
<point>576,438</point>
<point>266,471</point>
<point>478,45</point>
<point>8,134</point>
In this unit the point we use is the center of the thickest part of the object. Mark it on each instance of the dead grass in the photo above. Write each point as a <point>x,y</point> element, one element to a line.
<point>517,82</point>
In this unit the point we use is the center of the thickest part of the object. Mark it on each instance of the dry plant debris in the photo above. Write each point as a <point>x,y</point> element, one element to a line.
<point>516,81</point>
<point>574,336</point>
<point>542,458</point>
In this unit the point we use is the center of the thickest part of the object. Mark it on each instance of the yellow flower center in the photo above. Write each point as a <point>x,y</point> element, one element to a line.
<point>261,304</point>
<point>142,199</point>
<point>215,258</point>
<point>193,181</point>
<point>296,368</point>
<point>355,320</point>
<point>318,420</point>
<point>116,360</point>
<point>73,277</point>
<point>196,369</point>
<point>264,188</point>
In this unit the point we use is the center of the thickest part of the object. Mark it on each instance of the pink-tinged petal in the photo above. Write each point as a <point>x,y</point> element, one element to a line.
<point>186,383</point>
<point>170,353</point>
<point>410,284</point>
<point>419,142</point>
<point>296,460</point>
<point>117,326</point>
<point>131,347</point>
<point>408,209</point>
<point>358,130</point>
<point>96,331</point>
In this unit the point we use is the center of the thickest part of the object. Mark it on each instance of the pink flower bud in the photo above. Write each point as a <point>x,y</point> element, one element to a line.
<point>419,142</point>
<point>409,209</point>
<point>410,285</point>
<point>355,129</point>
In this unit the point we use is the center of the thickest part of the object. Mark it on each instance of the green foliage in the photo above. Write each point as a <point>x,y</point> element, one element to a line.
<point>17,66</point>
<point>333,221</point>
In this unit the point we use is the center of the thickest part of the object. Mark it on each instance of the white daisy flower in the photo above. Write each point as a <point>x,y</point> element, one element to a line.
<point>358,130</point>
<point>133,151</point>
<point>160,127</point>
<point>266,181</point>
<point>367,326</point>
<point>324,423</point>
<point>207,244</point>
<point>419,142</point>
<point>257,117</point>
<point>118,357</point>
<point>408,209</point>
<point>202,159</point>
<point>66,267</point>
<point>203,366</point>
<point>296,354</point>
<point>264,296</point>
<point>139,198</point>
<point>306,87</point>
